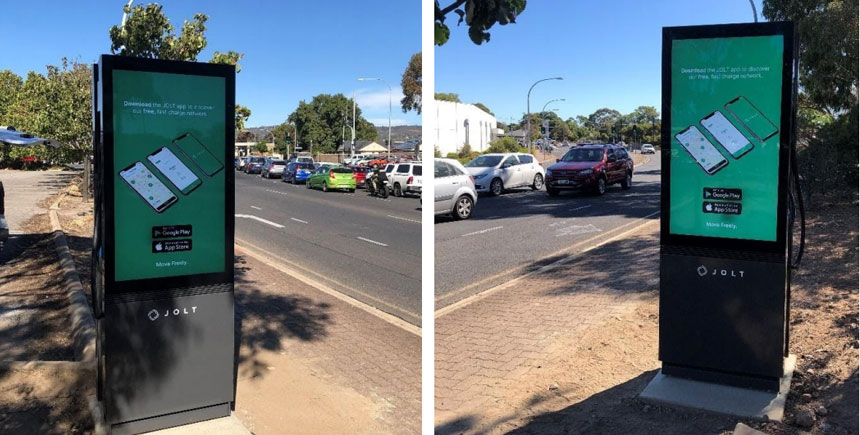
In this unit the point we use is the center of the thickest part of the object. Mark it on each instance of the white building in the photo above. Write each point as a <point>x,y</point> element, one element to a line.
<point>458,124</point>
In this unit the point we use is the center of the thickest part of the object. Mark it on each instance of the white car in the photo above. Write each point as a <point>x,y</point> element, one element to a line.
<point>405,178</point>
<point>496,172</point>
<point>648,149</point>
<point>454,189</point>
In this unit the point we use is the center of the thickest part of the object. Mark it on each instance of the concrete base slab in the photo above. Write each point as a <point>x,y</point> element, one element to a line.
<point>218,426</point>
<point>723,399</point>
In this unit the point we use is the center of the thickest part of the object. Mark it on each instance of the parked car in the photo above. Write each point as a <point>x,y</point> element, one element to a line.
<point>455,189</point>
<point>496,172</point>
<point>242,162</point>
<point>648,149</point>
<point>332,178</point>
<point>361,173</point>
<point>590,167</point>
<point>297,172</point>
<point>273,167</point>
<point>254,165</point>
<point>378,161</point>
<point>405,178</point>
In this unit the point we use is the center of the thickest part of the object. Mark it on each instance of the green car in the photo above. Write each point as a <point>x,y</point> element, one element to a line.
<point>329,177</point>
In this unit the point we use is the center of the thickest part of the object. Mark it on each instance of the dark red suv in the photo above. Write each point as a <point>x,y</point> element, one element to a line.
<point>590,167</point>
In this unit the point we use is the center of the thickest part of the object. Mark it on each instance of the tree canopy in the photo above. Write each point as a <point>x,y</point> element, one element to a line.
<point>411,85</point>
<point>320,122</point>
<point>479,16</point>
<point>442,96</point>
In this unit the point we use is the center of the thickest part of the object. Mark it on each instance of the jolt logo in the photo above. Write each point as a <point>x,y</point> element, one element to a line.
<point>155,314</point>
<point>728,273</point>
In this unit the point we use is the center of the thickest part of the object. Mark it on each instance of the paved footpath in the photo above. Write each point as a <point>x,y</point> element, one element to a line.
<point>312,363</point>
<point>490,354</point>
<point>26,189</point>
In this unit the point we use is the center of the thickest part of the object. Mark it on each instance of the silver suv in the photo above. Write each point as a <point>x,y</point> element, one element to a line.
<point>455,189</point>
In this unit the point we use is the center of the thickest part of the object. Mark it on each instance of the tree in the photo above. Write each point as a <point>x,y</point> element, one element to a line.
<point>242,115</point>
<point>320,122</point>
<point>441,96</point>
<point>483,107</point>
<point>10,85</point>
<point>479,16</point>
<point>411,85</point>
<point>261,147</point>
<point>505,145</point>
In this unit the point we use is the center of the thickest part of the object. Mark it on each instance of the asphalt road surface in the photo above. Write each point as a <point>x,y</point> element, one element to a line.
<point>522,230</point>
<point>362,246</point>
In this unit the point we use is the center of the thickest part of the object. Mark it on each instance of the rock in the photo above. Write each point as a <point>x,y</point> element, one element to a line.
<point>646,408</point>
<point>554,386</point>
<point>821,410</point>
<point>806,397</point>
<point>804,418</point>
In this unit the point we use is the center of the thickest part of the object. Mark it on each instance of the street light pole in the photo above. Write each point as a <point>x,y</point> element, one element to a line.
<point>361,79</point>
<point>528,109</point>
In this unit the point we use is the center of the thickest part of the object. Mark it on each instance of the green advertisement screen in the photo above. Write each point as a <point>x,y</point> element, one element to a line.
<point>169,177</point>
<point>725,138</point>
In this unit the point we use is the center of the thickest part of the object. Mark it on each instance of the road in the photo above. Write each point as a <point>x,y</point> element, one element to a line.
<point>26,189</point>
<point>362,246</point>
<point>522,230</point>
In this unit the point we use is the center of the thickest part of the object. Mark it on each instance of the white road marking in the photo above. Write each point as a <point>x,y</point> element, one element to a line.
<point>580,208</point>
<point>259,219</point>
<point>298,220</point>
<point>404,219</point>
<point>482,231</point>
<point>276,191</point>
<point>255,207</point>
<point>577,229</point>
<point>372,241</point>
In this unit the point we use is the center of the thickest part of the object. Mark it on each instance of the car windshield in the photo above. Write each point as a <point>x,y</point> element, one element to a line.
<point>583,155</point>
<point>485,162</point>
<point>278,162</point>
<point>257,160</point>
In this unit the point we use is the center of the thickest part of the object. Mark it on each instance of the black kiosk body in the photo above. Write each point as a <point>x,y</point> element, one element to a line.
<point>163,242</point>
<point>728,128</point>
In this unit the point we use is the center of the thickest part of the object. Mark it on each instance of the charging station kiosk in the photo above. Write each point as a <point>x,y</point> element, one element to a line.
<point>728,128</point>
<point>163,244</point>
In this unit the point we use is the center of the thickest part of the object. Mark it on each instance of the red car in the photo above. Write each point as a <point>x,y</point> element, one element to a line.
<point>590,167</point>
<point>360,173</point>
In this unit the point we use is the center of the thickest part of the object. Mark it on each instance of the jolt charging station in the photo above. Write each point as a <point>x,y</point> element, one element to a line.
<point>163,254</point>
<point>728,128</point>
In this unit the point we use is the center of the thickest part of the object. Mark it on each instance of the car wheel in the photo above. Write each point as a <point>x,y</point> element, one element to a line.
<point>397,190</point>
<point>308,184</point>
<point>551,192</point>
<point>325,187</point>
<point>496,187</point>
<point>463,208</point>
<point>627,182</point>
<point>600,188</point>
<point>538,182</point>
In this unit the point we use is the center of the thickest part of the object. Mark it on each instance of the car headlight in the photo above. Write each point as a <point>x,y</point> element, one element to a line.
<point>549,172</point>
<point>479,176</point>
<point>584,172</point>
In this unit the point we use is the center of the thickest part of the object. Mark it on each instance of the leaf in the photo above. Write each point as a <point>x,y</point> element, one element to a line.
<point>441,34</point>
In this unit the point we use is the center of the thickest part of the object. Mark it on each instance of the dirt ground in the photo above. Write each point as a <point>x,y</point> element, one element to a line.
<point>593,389</point>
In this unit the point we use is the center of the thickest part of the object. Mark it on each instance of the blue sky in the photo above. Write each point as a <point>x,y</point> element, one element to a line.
<point>607,51</point>
<point>293,50</point>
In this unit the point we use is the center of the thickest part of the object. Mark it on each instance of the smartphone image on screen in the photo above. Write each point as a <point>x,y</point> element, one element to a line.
<point>199,154</point>
<point>751,118</point>
<point>174,170</point>
<point>148,187</point>
<point>726,134</point>
<point>701,150</point>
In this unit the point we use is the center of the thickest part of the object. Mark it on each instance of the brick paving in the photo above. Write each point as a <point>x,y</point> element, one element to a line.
<point>488,352</point>
<point>347,345</point>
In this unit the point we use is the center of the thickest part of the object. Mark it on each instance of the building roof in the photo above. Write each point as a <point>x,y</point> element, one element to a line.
<point>366,146</point>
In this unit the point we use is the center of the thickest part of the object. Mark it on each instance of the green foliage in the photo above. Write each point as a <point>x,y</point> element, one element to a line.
<point>228,58</point>
<point>479,16</point>
<point>436,152</point>
<point>242,115</point>
<point>454,156</point>
<point>320,122</point>
<point>284,134</point>
<point>148,33</point>
<point>10,85</point>
<point>505,145</point>
<point>411,85</point>
<point>261,147</point>
<point>441,96</point>
<point>484,108</point>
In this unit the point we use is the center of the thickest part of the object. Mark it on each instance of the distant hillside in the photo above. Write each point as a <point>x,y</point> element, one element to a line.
<point>399,133</point>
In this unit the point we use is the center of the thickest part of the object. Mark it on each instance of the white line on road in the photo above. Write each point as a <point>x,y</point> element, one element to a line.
<point>580,208</point>
<point>255,207</point>
<point>482,231</point>
<point>404,219</point>
<point>276,191</point>
<point>298,220</point>
<point>372,241</point>
<point>259,219</point>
